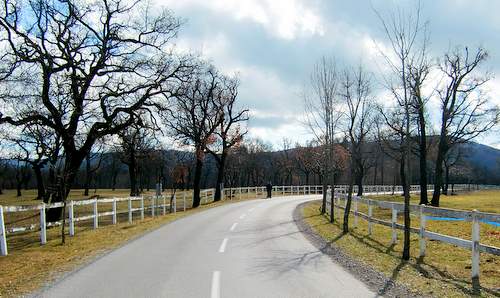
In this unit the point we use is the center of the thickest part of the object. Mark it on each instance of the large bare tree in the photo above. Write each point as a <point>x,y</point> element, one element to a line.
<point>84,69</point>
<point>230,131</point>
<point>466,111</point>
<point>194,117</point>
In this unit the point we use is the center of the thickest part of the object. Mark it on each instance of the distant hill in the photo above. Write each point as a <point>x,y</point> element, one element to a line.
<point>483,156</point>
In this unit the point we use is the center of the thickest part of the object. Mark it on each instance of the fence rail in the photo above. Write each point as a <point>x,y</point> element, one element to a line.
<point>153,205</point>
<point>422,212</point>
<point>156,205</point>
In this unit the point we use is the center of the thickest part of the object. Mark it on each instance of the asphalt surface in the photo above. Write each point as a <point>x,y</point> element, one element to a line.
<point>247,249</point>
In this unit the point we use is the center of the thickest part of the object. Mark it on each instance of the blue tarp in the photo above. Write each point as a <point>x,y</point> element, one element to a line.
<point>493,223</point>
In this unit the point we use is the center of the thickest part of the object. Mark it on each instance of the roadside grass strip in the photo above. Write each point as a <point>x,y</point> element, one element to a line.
<point>443,272</point>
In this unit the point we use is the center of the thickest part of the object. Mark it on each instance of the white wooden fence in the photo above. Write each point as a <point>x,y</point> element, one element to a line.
<point>422,212</point>
<point>157,205</point>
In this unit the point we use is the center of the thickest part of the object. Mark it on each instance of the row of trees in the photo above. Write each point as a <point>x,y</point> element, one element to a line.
<point>343,105</point>
<point>81,77</point>
<point>251,163</point>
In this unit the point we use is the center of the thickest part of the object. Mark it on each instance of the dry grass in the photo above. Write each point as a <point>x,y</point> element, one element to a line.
<point>444,272</point>
<point>29,196</point>
<point>29,265</point>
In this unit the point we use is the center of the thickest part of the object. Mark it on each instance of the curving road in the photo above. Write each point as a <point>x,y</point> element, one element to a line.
<point>247,249</point>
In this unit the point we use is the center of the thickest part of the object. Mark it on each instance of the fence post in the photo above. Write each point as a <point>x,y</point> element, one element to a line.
<point>393,224</point>
<point>475,245</point>
<point>239,193</point>
<point>164,208</point>
<point>142,208</point>
<point>422,231</point>
<point>175,203</point>
<point>43,227</point>
<point>184,200</point>
<point>71,219</point>
<point>3,237</point>
<point>114,211</point>
<point>370,213</point>
<point>96,215</point>
<point>129,210</point>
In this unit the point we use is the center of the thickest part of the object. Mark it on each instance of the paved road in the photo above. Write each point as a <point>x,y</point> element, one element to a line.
<point>247,249</point>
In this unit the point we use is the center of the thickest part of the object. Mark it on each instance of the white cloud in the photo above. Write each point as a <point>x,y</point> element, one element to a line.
<point>286,19</point>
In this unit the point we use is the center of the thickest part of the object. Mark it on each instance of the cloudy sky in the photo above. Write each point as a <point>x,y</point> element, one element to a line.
<point>273,45</point>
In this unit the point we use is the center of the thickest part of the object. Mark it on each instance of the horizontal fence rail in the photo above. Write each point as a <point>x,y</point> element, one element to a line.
<point>423,213</point>
<point>133,207</point>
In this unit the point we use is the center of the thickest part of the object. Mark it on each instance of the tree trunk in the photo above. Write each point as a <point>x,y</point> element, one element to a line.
<point>402,175</point>
<point>132,171</point>
<point>220,177</point>
<point>345,226</point>
<point>323,203</point>
<point>359,182</point>
<point>446,179</point>
<point>438,176</point>
<point>113,180</point>
<point>382,170</point>
<point>19,186</point>
<point>39,182</point>
<point>423,157</point>
<point>406,211</point>
<point>87,175</point>
<point>64,183</point>
<point>197,179</point>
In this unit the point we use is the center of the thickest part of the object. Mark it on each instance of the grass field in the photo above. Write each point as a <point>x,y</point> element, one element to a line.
<point>29,265</point>
<point>484,200</point>
<point>29,196</point>
<point>446,269</point>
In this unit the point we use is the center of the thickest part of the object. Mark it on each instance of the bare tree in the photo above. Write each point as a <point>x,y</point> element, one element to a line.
<point>419,68</point>
<point>194,117</point>
<point>403,30</point>
<point>466,110</point>
<point>322,113</point>
<point>453,157</point>
<point>136,144</point>
<point>35,145</point>
<point>305,159</point>
<point>356,95</point>
<point>229,132</point>
<point>84,69</point>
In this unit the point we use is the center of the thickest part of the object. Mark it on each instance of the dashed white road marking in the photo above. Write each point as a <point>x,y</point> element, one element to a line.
<point>215,293</point>
<point>222,247</point>
<point>243,216</point>
<point>233,227</point>
<point>251,209</point>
